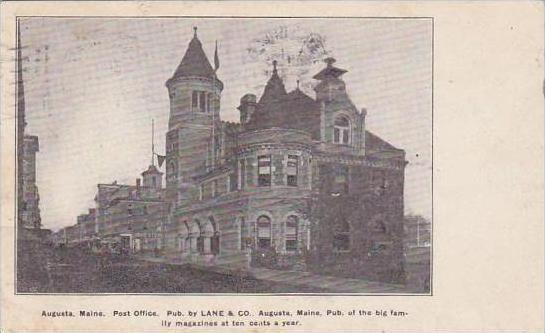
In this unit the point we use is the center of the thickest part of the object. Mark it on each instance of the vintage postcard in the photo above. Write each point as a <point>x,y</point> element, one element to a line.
<point>283,166</point>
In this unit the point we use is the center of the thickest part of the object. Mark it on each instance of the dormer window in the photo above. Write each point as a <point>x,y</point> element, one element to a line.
<point>341,131</point>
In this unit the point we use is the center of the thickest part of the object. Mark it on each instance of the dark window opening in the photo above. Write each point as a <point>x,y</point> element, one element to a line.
<point>263,232</point>
<point>215,244</point>
<point>195,100</point>
<point>341,237</point>
<point>202,101</point>
<point>341,242</point>
<point>232,182</point>
<point>242,234</point>
<point>264,170</point>
<point>209,102</point>
<point>200,244</point>
<point>340,181</point>
<point>292,230</point>
<point>242,173</point>
<point>341,131</point>
<point>292,170</point>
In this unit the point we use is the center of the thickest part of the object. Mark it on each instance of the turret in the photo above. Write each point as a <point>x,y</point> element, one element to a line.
<point>194,125</point>
<point>247,107</point>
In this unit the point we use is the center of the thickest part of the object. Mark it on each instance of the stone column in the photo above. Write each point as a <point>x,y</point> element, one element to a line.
<point>207,244</point>
<point>193,244</point>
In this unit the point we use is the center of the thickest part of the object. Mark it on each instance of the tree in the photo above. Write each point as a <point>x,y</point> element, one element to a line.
<point>295,50</point>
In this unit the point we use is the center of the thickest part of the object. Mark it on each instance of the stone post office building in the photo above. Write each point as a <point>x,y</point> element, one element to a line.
<point>298,183</point>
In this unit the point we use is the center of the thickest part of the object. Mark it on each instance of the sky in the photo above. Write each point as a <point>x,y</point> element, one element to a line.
<point>93,86</point>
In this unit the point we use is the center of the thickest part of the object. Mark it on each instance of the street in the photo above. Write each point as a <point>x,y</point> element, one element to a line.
<point>78,271</point>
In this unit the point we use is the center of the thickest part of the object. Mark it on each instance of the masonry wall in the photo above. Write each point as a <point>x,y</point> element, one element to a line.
<point>373,208</point>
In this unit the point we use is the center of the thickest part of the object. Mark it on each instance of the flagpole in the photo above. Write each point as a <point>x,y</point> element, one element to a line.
<point>152,142</point>
<point>216,66</point>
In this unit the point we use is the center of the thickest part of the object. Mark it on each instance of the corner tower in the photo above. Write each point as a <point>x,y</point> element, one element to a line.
<point>192,141</point>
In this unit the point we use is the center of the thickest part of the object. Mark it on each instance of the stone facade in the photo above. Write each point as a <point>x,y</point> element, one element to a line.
<point>298,184</point>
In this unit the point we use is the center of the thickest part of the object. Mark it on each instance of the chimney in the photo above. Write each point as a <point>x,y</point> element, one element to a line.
<point>247,107</point>
<point>137,183</point>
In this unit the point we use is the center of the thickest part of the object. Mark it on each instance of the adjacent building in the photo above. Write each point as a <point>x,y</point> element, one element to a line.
<point>28,198</point>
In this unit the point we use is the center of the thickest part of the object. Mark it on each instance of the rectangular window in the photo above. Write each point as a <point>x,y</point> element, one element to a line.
<point>340,181</point>
<point>336,135</point>
<point>200,244</point>
<point>232,182</point>
<point>209,106</point>
<point>242,174</point>
<point>221,186</point>
<point>242,233</point>
<point>207,190</point>
<point>202,101</point>
<point>263,232</point>
<point>292,169</point>
<point>341,242</point>
<point>264,170</point>
<point>291,233</point>
<point>345,137</point>
<point>195,100</point>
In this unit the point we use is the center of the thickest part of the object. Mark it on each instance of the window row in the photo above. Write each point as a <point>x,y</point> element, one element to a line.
<point>265,171</point>
<point>217,187</point>
<point>264,233</point>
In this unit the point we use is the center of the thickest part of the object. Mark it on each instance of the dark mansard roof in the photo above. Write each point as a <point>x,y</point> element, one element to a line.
<point>277,108</point>
<point>297,110</point>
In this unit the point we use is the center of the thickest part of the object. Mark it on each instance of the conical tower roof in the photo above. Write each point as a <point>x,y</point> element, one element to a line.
<point>194,62</point>
<point>274,89</point>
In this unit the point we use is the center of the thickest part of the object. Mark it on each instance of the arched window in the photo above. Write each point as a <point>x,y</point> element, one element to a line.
<point>341,131</point>
<point>292,229</point>
<point>263,232</point>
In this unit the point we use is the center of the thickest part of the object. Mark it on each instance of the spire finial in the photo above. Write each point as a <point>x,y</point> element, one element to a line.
<point>195,32</point>
<point>274,66</point>
<point>297,84</point>
<point>329,61</point>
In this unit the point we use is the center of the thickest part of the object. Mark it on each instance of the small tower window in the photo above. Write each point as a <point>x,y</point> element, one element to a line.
<point>199,101</point>
<point>202,101</point>
<point>195,100</point>
<point>341,131</point>
<point>209,106</point>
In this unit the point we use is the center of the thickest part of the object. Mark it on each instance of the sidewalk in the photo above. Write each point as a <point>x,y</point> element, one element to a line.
<point>330,284</point>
